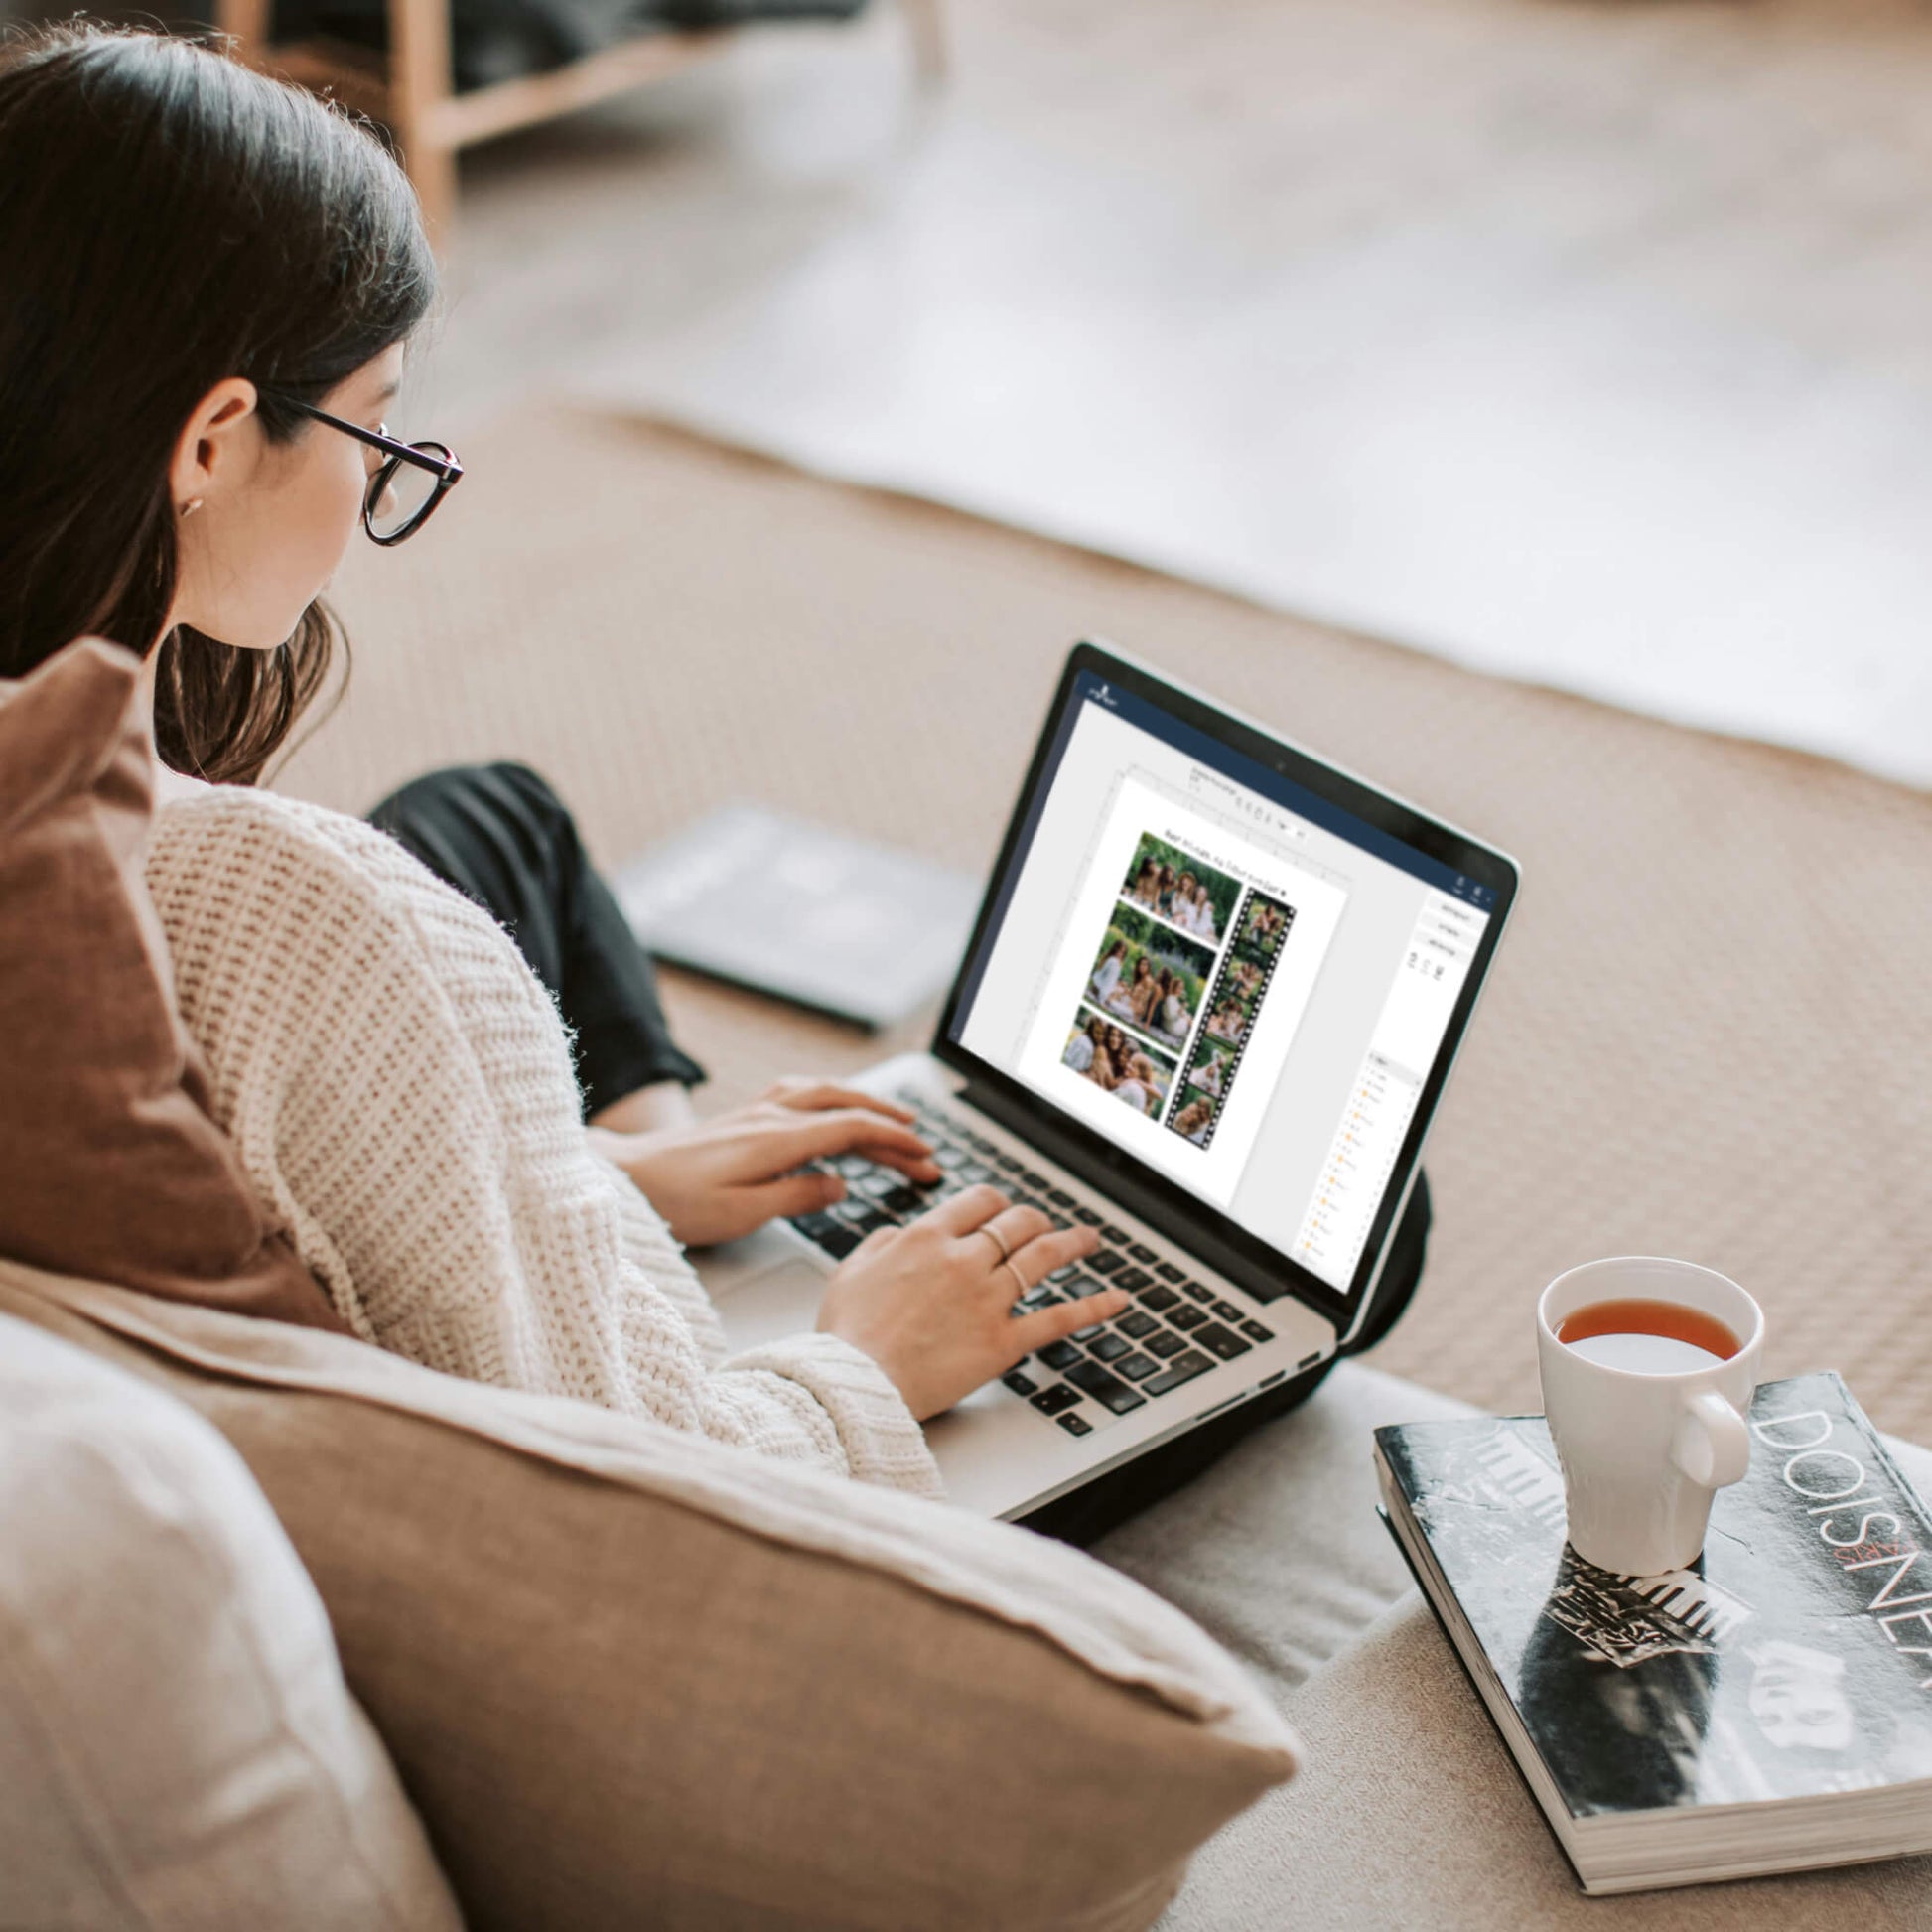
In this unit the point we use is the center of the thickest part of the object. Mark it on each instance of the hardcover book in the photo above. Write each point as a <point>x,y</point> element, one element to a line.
<point>1767,1710</point>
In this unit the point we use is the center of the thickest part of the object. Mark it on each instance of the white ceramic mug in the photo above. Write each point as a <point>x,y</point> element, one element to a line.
<point>1643,1453</point>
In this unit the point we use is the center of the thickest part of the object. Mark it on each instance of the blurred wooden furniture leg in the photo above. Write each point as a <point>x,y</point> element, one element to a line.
<point>932,53</point>
<point>420,83</point>
<point>246,23</point>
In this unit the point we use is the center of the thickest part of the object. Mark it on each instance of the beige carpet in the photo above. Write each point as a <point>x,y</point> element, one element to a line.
<point>1707,1033</point>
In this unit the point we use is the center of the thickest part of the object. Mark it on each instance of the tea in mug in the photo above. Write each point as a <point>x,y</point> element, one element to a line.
<point>1647,1337</point>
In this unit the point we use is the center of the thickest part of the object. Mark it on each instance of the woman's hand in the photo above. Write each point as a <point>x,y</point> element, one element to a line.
<point>723,1177</point>
<point>931,1303</point>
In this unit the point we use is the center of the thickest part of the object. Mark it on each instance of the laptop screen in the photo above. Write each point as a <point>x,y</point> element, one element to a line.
<point>1241,983</point>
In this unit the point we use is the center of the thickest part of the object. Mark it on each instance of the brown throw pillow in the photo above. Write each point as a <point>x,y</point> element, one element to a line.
<point>110,1164</point>
<point>632,1678</point>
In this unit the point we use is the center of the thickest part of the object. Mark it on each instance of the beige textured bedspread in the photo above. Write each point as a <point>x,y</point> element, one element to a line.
<point>1708,1033</point>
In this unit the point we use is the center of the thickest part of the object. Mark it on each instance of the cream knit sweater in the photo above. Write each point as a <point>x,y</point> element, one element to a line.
<point>401,1090</point>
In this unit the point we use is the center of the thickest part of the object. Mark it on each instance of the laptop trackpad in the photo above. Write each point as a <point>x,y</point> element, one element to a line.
<point>763,1288</point>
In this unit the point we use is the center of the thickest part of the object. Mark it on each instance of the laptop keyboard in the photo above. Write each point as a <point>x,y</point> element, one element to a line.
<point>1176,1328</point>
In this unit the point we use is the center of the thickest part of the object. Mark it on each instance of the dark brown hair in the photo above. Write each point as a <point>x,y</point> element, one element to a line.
<point>169,219</point>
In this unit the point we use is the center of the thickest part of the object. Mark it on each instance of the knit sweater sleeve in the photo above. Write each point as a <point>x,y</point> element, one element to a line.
<point>400,1089</point>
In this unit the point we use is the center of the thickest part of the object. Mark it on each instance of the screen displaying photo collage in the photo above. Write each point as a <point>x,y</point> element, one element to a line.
<point>1185,946</point>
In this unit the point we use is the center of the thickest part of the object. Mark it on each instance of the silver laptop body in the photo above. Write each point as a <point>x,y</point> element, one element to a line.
<point>1271,964</point>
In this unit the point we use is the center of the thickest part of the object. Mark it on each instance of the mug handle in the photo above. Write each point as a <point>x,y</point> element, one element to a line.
<point>1712,1445</point>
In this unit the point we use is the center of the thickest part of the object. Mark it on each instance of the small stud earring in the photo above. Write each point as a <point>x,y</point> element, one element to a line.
<point>191,507</point>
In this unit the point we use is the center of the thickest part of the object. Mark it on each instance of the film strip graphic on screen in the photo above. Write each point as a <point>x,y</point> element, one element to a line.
<point>1240,985</point>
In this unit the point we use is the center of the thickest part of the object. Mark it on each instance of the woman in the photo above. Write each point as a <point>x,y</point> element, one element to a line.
<point>1175,1012</point>
<point>210,282</point>
<point>1127,999</point>
<point>1164,894</point>
<point>1194,1121</point>
<point>1105,1070</point>
<point>1138,1089</point>
<point>1145,888</point>
<point>1081,1049</point>
<point>1202,915</point>
<point>1106,976</point>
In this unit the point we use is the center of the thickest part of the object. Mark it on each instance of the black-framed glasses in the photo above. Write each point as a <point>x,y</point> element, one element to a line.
<point>406,491</point>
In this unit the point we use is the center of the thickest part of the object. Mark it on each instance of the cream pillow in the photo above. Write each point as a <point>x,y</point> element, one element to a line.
<point>633,1678</point>
<point>177,1747</point>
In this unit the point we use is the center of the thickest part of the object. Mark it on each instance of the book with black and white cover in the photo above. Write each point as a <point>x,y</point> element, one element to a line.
<point>1768,1710</point>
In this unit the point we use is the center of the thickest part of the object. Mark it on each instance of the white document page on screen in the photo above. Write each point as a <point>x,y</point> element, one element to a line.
<point>1239,1070</point>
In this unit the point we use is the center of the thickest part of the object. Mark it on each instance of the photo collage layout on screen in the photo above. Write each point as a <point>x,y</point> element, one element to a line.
<point>1184,974</point>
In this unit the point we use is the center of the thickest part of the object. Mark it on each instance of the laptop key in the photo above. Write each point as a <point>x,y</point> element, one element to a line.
<point>974,1173</point>
<point>1136,1367</point>
<point>1157,1298</point>
<point>1143,1254</point>
<point>1224,1342</point>
<point>1057,1354</point>
<point>1256,1332</point>
<point>1166,1343</point>
<point>1103,1261</point>
<point>1020,1382</point>
<point>1184,1368</point>
<point>1049,1402</point>
<point>1075,1425</point>
<point>1104,1386</point>
<point>1137,1325</point>
<point>838,1241</point>
<point>1034,1179</point>
<point>1229,1312</point>
<point>1060,1197</point>
<point>1113,1233</point>
<point>903,1201</point>
<point>1107,1348</point>
<point>1198,1291</point>
<point>1170,1273</point>
<point>1089,1332</point>
<point>1072,1287</point>
<point>1186,1317</point>
<point>1086,1215</point>
<point>1133,1278</point>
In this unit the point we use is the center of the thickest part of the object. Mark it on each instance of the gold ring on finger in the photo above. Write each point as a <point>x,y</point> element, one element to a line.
<point>1019,1279</point>
<point>997,1239</point>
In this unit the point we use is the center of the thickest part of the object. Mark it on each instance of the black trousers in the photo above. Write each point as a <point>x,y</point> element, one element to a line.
<point>501,836</point>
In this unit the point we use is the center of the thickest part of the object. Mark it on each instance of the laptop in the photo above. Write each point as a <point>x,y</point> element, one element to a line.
<point>1208,1007</point>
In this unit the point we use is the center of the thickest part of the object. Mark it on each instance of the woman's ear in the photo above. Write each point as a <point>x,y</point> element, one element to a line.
<point>216,449</point>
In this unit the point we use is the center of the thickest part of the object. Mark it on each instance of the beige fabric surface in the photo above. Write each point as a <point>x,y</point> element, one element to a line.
<point>1413,1817</point>
<point>1707,1034</point>
<point>178,1751</point>
<point>631,1677</point>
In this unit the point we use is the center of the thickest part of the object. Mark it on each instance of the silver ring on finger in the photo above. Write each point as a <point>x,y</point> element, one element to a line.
<point>1020,1285</point>
<point>997,1239</point>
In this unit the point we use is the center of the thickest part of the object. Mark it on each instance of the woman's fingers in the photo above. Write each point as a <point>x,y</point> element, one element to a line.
<point>1031,1332</point>
<point>968,1210</point>
<point>1050,1249</point>
<point>1014,1228</point>
<point>812,1095</point>
<point>792,1194</point>
<point>847,1129</point>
